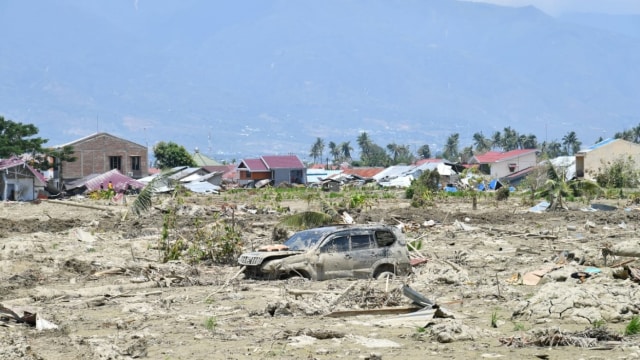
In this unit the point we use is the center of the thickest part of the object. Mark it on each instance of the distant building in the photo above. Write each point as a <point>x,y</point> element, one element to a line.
<point>277,168</point>
<point>502,164</point>
<point>590,161</point>
<point>101,152</point>
<point>202,159</point>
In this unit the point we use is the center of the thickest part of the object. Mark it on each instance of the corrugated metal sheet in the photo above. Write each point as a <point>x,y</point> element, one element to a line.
<point>202,187</point>
<point>600,144</point>
<point>253,165</point>
<point>364,172</point>
<point>203,160</point>
<point>14,161</point>
<point>282,162</point>
<point>495,156</point>
<point>184,172</point>
<point>228,171</point>
<point>92,182</point>
<point>426,161</point>
<point>393,172</point>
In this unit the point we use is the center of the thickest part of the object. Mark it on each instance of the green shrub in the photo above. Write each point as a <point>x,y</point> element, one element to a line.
<point>422,190</point>
<point>210,323</point>
<point>633,327</point>
<point>502,193</point>
<point>619,173</point>
<point>494,319</point>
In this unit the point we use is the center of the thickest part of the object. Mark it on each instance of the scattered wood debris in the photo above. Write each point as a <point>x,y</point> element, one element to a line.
<point>589,338</point>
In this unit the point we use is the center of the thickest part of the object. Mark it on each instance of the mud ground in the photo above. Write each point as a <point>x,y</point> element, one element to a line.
<point>91,269</point>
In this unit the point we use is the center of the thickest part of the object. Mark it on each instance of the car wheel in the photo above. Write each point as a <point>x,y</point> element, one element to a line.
<point>386,275</point>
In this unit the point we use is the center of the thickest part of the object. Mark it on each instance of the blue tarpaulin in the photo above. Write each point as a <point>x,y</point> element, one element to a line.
<point>495,184</point>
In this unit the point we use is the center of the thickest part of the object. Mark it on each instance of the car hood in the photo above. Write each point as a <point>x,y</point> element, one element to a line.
<point>258,257</point>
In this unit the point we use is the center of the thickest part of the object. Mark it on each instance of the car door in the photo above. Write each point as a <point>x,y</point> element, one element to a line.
<point>364,253</point>
<point>334,260</point>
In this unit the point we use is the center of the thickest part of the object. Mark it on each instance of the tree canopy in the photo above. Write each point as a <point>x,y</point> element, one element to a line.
<point>170,154</point>
<point>17,138</point>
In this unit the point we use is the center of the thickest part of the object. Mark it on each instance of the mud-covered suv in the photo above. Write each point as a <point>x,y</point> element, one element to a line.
<point>353,251</point>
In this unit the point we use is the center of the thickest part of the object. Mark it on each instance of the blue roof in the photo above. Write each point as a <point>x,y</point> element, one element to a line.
<point>601,143</point>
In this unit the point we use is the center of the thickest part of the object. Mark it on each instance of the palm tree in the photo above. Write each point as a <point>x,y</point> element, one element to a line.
<point>636,134</point>
<point>316,150</point>
<point>365,144</point>
<point>509,139</point>
<point>393,151</point>
<point>522,139</point>
<point>481,143</point>
<point>346,150</point>
<point>530,142</point>
<point>624,135</point>
<point>571,143</point>
<point>334,150</point>
<point>553,149</point>
<point>403,155</point>
<point>143,201</point>
<point>424,152</point>
<point>451,147</point>
<point>556,188</point>
<point>466,154</point>
<point>496,140</point>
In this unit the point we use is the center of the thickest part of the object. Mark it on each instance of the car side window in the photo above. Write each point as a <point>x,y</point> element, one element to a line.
<point>385,238</point>
<point>337,244</point>
<point>360,242</point>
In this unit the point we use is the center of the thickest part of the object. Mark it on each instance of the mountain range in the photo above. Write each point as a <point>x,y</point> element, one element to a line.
<point>246,78</point>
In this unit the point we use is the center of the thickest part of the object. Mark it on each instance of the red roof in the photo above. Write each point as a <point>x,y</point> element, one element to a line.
<point>253,165</point>
<point>283,162</point>
<point>495,156</point>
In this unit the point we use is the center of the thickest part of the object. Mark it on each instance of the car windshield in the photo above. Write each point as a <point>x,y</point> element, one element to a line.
<point>304,240</point>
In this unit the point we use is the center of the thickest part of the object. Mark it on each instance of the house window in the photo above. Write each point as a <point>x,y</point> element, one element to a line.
<point>115,162</point>
<point>135,163</point>
<point>512,167</point>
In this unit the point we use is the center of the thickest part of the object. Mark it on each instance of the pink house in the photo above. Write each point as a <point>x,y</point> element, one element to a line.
<point>277,168</point>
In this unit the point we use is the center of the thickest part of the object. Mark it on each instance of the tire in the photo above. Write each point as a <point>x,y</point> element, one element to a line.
<point>384,271</point>
<point>384,275</point>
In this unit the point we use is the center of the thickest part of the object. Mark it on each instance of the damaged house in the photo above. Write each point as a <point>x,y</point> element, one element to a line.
<point>403,175</point>
<point>94,182</point>
<point>19,181</point>
<point>196,179</point>
<point>501,165</point>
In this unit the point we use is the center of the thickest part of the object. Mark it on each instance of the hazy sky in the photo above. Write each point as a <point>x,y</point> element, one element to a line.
<point>556,7</point>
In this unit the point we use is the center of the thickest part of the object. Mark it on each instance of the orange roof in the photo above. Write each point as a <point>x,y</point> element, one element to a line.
<point>365,172</point>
